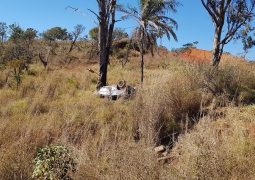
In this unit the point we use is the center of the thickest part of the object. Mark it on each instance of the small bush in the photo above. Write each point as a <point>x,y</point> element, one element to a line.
<point>32,72</point>
<point>54,162</point>
<point>230,84</point>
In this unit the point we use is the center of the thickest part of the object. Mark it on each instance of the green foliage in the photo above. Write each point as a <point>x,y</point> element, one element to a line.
<point>55,33</point>
<point>17,67</point>
<point>154,22</point>
<point>153,18</point>
<point>186,47</point>
<point>118,34</point>
<point>54,162</point>
<point>30,34</point>
<point>2,66</point>
<point>3,31</point>
<point>93,33</point>
<point>247,36</point>
<point>18,46</point>
<point>16,33</point>
<point>190,45</point>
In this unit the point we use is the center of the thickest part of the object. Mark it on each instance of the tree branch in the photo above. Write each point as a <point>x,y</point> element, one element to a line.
<point>95,14</point>
<point>212,14</point>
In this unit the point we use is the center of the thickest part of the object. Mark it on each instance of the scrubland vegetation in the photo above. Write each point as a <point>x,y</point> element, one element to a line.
<point>54,126</point>
<point>206,121</point>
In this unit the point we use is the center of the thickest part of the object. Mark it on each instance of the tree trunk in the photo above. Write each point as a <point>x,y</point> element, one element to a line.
<point>28,47</point>
<point>72,45</point>
<point>142,54</point>
<point>105,37</point>
<point>111,28</point>
<point>217,50</point>
<point>102,44</point>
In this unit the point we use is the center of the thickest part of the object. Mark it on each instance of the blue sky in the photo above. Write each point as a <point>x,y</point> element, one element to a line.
<point>193,21</point>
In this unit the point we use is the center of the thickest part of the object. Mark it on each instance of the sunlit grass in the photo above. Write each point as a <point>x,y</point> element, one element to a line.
<point>114,139</point>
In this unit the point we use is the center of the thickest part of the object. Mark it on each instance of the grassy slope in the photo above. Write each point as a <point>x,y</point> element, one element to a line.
<point>58,107</point>
<point>222,149</point>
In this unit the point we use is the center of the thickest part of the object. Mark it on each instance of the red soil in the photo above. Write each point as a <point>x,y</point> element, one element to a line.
<point>202,56</point>
<point>195,55</point>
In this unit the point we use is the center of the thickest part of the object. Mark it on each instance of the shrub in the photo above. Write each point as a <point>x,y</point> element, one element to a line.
<point>230,84</point>
<point>54,162</point>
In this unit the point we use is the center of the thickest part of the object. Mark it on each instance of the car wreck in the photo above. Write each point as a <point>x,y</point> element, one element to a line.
<point>114,92</point>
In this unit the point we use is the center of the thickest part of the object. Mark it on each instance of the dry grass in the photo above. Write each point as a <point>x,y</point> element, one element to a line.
<point>114,140</point>
<point>222,149</point>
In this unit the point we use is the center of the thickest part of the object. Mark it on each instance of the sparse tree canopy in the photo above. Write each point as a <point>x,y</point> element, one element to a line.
<point>75,35</point>
<point>16,33</point>
<point>117,34</point>
<point>29,35</point>
<point>228,16</point>
<point>93,34</point>
<point>55,33</point>
<point>78,30</point>
<point>3,31</point>
<point>247,35</point>
<point>154,21</point>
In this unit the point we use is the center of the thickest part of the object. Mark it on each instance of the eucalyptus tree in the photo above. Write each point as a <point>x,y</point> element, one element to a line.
<point>153,20</point>
<point>228,17</point>
<point>247,36</point>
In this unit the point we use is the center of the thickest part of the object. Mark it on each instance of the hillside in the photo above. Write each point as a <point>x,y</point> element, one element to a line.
<point>207,121</point>
<point>201,56</point>
<point>90,91</point>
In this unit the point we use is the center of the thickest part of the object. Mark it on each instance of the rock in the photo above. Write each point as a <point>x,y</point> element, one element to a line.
<point>165,153</point>
<point>159,149</point>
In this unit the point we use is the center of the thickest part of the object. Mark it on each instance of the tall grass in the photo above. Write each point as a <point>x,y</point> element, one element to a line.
<point>222,149</point>
<point>115,139</point>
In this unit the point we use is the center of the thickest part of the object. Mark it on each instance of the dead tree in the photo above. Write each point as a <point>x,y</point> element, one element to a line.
<point>228,16</point>
<point>78,30</point>
<point>106,19</point>
<point>44,59</point>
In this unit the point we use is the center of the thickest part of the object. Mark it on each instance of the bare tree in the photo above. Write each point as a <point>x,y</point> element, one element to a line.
<point>78,30</point>
<point>106,18</point>
<point>44,59</point>
<point>228,16</point>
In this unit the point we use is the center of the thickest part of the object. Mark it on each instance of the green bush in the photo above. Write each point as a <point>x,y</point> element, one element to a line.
<point>54,162</point>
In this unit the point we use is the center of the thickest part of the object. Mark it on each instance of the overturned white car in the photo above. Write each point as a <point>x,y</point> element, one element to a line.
<point>115,92</point>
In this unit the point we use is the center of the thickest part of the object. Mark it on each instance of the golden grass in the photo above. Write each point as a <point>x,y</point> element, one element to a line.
<point>222,149</point>
<point>115,139</point>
